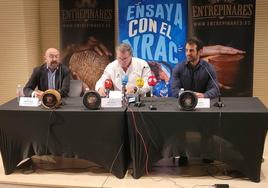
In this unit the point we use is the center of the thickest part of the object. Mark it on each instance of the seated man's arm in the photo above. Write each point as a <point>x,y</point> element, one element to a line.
<point>32,83</point>
<point>175,82</point>
<point>99,87</point>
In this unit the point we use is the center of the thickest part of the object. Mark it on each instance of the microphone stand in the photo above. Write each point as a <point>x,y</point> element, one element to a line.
<point>124,100</point>
<point>138,102</point>
<point>219,103</point>
<point>124,83</point>
<point>151,91</point>
<point>107,91</point>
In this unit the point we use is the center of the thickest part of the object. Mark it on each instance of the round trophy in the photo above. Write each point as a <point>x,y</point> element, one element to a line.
<point>188,100</point>
<point>51,99</point>
<point>92,100</point>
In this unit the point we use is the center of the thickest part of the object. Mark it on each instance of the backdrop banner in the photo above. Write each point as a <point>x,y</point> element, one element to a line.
<point>87,37</point>
<point>225,27</point>
<point>156,30</point>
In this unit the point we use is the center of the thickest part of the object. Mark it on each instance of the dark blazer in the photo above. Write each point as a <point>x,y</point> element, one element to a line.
<point>39,79</point>
<point>196,79</point>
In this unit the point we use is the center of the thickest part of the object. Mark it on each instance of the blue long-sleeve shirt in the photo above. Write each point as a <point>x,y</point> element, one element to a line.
<point>195,79</point>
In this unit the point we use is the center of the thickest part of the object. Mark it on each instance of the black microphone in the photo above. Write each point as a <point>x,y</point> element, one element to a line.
<point>219,103</point>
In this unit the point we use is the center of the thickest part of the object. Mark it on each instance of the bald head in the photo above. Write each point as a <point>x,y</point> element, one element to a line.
<point>51,50</point>
<point>52,58</point>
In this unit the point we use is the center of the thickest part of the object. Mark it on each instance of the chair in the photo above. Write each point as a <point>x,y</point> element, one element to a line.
<point>75,88</point>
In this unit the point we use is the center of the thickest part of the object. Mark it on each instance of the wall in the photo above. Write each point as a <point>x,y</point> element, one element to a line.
<point>260,84</point>
<point>28,27</point>
<point>19,43</point>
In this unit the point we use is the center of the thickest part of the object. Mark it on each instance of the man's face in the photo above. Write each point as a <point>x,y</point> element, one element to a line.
<point>124,58</point>
<point>192,55</point>
<point>52,58</point>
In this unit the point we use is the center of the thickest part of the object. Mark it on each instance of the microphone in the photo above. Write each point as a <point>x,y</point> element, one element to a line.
<point>152,82</point>
<point>139,84</point>
<point>108,85</point>
<point>143,70</point>
<point>124,81</point>
<point>219,103</point>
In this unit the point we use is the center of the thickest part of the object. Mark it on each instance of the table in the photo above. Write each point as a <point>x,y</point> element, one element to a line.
<point>234,134</point>
<point>99,136</point>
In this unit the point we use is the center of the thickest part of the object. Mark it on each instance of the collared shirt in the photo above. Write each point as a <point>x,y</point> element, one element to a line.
<point>114,71</point>
<point>196,79</point>
<point>51,78</point>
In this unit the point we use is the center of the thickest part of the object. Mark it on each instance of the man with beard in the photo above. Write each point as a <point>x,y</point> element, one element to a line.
<point>193,74</point>
<point>50,75</point>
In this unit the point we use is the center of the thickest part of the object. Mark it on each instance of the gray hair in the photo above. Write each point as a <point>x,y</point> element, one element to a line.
<point>124,47</point>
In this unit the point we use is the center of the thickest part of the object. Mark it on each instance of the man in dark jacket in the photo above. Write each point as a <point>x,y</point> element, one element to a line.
<point>195,74</point>
<point>50,75</point>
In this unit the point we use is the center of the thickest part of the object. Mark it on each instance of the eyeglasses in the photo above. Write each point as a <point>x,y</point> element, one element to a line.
<point>123,59</point>
<point>54,56</point>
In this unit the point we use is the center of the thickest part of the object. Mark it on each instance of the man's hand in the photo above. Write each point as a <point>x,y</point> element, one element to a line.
<point>38,94</point>
<point>131,90</point>
<point>102,92</point>
<point>199,95</point>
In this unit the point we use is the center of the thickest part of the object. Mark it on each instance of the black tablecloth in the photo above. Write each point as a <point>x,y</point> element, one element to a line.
<point>234,134</point>
<point>99,136</point>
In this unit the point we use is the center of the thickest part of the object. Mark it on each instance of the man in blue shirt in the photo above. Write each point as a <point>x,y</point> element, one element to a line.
<point>195,74</point>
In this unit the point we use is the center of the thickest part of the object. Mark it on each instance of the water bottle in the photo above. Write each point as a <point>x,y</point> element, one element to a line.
<point>181,91</point>
<point>19,92</point>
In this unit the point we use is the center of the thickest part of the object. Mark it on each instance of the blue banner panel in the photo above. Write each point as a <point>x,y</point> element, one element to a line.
<point>156,30</point>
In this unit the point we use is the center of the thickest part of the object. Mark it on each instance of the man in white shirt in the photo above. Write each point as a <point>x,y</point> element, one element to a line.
<point>127,65</point>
